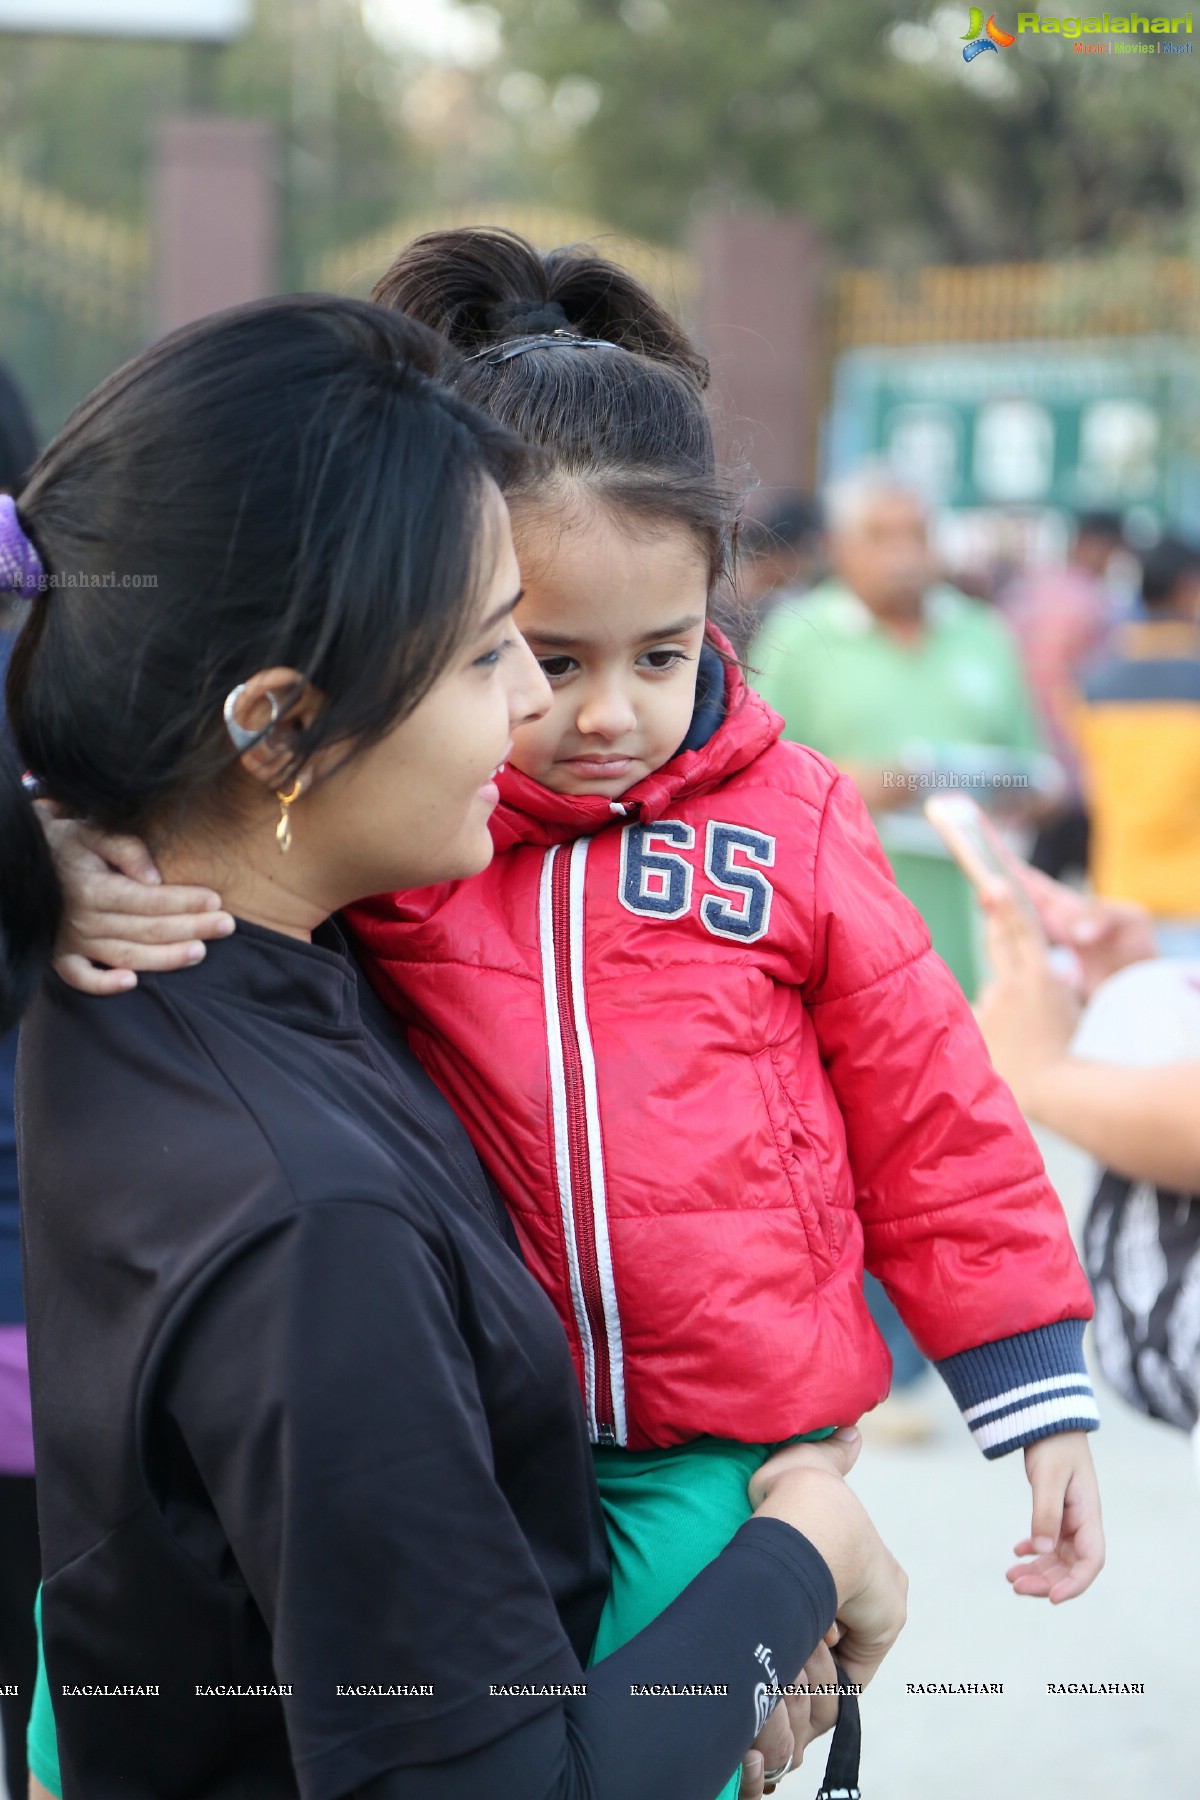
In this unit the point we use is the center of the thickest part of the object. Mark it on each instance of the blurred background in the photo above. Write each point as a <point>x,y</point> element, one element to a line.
<point>978,281</point>
<point>985,269</point>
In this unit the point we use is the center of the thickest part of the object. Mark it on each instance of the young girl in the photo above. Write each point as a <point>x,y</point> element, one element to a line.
<point>698,1037</point>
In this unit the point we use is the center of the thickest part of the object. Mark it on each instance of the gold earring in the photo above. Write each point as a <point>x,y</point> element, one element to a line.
<point>283,831</point>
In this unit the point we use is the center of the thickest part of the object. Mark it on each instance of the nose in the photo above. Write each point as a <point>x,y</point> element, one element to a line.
<point>605,712</point>
<point>529,693</point>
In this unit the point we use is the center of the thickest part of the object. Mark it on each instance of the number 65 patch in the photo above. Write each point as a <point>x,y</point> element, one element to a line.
<point>656,883</point>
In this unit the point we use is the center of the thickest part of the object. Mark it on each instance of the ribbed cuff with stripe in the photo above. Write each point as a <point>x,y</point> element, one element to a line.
<point>1022,1388</point>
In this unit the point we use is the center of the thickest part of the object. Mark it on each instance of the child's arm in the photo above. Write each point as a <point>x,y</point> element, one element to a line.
<point>119,916</point>
<point>960,1222</point>
<point>1066,1538</point>
<point>117,911</point>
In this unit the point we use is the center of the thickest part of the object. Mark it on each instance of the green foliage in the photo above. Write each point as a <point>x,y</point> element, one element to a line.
<point>859,114</point>
<point>864,117</point>
<point>78,115</point>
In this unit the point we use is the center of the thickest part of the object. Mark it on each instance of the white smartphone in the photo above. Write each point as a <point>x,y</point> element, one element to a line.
<point>977,846</point>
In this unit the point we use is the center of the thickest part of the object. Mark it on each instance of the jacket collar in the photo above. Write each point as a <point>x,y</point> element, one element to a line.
<point>313,984</point>
<point>529,813</point>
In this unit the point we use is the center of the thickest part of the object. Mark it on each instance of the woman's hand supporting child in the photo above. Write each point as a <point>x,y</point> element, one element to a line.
<point>805,1483</point>
<point>804,1486</point>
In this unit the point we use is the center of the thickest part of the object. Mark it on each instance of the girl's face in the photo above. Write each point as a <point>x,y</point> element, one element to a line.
<point>613,608</point>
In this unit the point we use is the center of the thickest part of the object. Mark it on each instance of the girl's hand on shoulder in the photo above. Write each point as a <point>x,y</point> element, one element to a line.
<point>117,911</point>
<point>1066,1538</point>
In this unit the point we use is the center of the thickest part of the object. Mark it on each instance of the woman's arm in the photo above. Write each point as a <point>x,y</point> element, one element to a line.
<point>1144,1123</point>
<point>631,1737</point>
<point>607,1743</point>
<point>354,1476</point>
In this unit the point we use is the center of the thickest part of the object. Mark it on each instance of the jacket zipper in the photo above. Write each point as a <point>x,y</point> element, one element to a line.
<point>578,1158</point>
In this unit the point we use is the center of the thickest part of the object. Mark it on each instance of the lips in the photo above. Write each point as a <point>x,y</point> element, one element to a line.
<point>598,768</point>
<point>488,791</point>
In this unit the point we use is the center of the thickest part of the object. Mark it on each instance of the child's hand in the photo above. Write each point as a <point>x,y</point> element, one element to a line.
<point>118,912</point>
<point>1066,1539</point>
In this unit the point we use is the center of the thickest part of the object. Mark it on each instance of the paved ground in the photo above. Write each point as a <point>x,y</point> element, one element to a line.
<point>952,1519</point>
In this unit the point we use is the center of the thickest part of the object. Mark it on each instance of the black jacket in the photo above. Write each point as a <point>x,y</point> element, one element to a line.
<point>315,1492</point>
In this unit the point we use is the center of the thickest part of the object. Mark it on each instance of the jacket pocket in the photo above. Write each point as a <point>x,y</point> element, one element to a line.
<point>798,1162</point>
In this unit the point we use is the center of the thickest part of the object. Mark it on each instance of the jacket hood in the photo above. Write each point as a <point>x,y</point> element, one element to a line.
<point>529,813</point>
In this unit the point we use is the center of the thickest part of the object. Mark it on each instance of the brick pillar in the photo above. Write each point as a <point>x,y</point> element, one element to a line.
<point>215,216</point>
<point>761,324</point>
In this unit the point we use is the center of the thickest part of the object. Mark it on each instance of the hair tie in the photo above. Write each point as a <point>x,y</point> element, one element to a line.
<point>525,318</point>
<point>21,571</point>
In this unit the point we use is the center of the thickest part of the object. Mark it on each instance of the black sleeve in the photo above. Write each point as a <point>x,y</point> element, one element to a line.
<point>769,1591</point>
<point>326,1391</point>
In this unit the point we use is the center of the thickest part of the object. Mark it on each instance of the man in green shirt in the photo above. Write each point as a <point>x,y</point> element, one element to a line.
<point>910,687</point>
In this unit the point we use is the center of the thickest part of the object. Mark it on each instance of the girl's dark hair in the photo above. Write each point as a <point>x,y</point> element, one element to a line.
<point>283,484</point>
<point>18,440</point>
<point>632,427</point>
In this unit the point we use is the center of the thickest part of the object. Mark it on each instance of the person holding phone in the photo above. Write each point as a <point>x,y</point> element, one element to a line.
<point>1120,1078</point>
<point>1145,1121</point>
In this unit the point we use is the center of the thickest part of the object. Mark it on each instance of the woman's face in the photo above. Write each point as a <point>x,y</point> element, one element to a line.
<point>414,808</point>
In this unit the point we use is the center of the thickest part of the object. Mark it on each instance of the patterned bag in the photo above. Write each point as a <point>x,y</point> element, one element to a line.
<point>1142,1243</point>
<point>1142,1251</point>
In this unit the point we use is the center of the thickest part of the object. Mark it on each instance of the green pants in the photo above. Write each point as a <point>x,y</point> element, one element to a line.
<point>669,1513</point>
<point>41,1743</point>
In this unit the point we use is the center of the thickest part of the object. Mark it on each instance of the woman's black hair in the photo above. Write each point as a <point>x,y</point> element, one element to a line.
<point>18,438</point>
<point>632,427</point>
<point>286,483</point>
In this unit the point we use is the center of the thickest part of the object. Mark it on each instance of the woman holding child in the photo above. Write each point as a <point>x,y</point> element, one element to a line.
<point>711,1301</point>
<point>312,1463</point>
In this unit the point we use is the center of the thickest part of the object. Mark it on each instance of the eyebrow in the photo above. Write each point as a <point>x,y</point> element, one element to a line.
<point>556,640</point>
<point>501,612</point>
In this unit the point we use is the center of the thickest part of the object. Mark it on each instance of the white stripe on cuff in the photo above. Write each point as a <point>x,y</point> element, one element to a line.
<point>1074,1378</point>
<point>1031,1418</point>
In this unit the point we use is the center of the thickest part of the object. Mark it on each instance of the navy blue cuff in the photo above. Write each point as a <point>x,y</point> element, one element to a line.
<point>1023,1388</point>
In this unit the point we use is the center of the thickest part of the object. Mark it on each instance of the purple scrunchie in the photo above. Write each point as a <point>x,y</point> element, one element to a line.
<point>21,570</point>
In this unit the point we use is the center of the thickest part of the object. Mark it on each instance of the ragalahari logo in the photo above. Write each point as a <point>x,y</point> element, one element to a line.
<point>981,37</point>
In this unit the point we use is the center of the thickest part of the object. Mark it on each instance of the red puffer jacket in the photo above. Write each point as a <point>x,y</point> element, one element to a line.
<point>702,1044</point>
